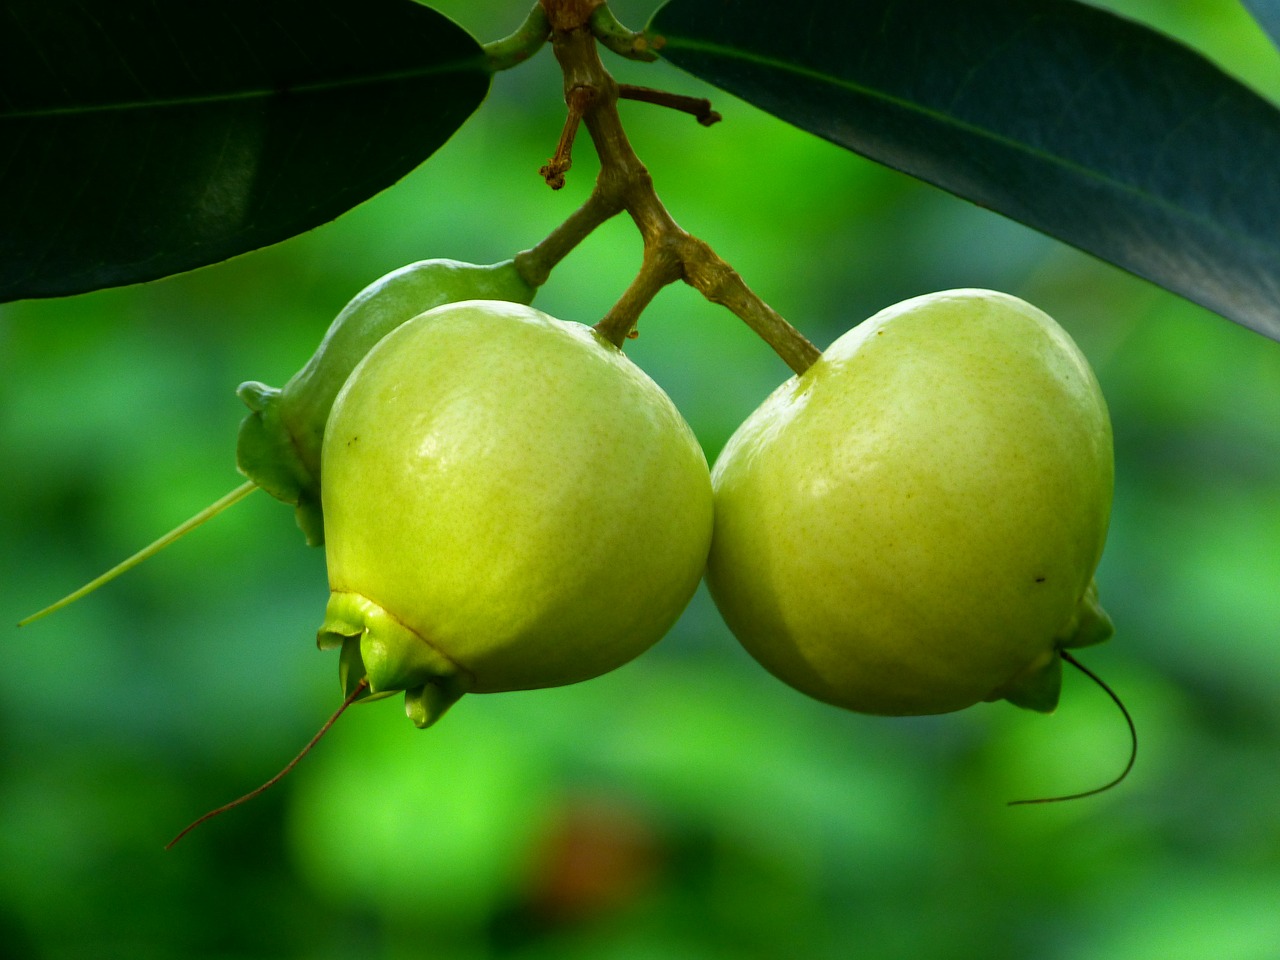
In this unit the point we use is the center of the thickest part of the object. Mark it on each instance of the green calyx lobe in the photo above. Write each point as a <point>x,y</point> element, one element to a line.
<point>267,455</point>
<point>1039,686</point>
<point>280,440</point>
<point>392,657</point>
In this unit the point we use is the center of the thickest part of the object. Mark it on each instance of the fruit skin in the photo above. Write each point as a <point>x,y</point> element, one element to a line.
<point>912,525</point>
<point>511,503</point>
<point>280,440</point>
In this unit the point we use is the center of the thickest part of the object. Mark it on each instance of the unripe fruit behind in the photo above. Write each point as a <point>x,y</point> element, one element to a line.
<point>279,445</point>
<point>912,525</point>
<point>510,503</point>
<point>280,440</point>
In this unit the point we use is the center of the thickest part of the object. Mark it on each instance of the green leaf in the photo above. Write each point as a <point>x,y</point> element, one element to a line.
<point>140,139</point>
<point>1086,126</point>
<point>1267,13</point>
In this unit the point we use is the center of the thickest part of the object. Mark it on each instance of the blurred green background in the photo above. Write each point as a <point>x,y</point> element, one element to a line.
<point>687,805</point>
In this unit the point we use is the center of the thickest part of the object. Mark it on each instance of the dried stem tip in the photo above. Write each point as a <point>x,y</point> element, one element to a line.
<point>698,107</point>
<point>1133,740</point>
<point>352,697</point>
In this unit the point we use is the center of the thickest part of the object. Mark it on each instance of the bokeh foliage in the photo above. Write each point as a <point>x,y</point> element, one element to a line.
<point>687,805</point>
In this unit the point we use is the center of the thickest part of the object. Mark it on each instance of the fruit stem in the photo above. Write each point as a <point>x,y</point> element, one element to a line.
<point>655,273</point>
<point>624,183</point>
<point>352,697</point>
<point>535,264</point>
<point>720,283</point>
<point>208,513</point>
<point>1133,740</point>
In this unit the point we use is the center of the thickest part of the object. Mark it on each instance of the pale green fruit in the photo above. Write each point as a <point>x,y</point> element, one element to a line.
<point>510,504</point>
<point>280,440</point>
<point>912,525</point>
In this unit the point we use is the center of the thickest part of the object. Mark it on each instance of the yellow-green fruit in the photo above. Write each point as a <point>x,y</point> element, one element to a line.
<point>510,503</point>
<point>280,440</point>
<point>912,525</point>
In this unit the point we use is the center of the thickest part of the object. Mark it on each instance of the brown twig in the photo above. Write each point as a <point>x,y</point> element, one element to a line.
<point>579,100</point>
<point>698,107</point>
<point>670,253</point>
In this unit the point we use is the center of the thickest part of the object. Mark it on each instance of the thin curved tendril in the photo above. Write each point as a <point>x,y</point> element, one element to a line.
<point>208,513</point>
<point>351,698</point>
<point>1133,740</point>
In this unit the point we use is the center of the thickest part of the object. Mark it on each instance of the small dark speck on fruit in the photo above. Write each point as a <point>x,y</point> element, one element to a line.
<point>1039,579</point>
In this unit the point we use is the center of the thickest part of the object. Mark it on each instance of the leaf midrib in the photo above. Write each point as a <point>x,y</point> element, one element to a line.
<point>911,106</point>
<point>470,65</point>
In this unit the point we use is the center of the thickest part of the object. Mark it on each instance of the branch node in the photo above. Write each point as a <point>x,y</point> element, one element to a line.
<point>567,15</point>
<point>670,253</point>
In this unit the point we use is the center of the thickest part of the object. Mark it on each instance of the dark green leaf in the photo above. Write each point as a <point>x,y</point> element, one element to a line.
<point>1267,13</point>
<point>140,139</point>
<point>1086,126</point>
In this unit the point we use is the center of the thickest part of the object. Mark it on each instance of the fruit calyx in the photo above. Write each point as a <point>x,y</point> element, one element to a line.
<point>378,649</point>
<point>1039,685</point>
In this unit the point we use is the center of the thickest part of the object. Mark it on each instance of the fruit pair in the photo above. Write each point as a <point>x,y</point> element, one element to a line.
<point>909,527</point>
